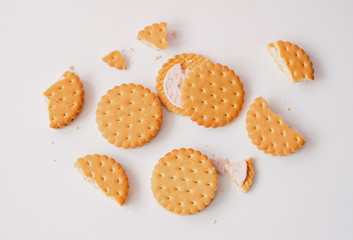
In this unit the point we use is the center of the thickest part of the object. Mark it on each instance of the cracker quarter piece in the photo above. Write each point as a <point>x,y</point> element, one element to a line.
<point>115,59</point>
<point>106,174</point>
<point>269,132</point>
<point>129,115</point>
<point>154,36</point>
<point>292,60</point>
<point>187,61</point>
<point>66,99</point>
<point>242,173</point>
<point>184,181</point>
<point>212,95</point>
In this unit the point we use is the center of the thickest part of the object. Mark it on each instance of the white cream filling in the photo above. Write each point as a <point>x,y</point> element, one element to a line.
<point>238,171</point>
<point>172,84</point>
<point>149,44</point>
<point>220,164</point>
<point>278,59</point>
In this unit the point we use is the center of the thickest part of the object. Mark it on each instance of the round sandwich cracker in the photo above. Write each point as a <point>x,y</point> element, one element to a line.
<point>187,61</point>
<point>184,181</point>
<point>129,115</point>
<point>212,95</point>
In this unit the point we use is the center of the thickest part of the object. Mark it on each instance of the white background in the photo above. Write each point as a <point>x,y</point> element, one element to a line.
<point>307,195</point>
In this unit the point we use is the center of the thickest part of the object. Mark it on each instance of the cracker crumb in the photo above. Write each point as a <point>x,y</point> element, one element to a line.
<point>71,68</point>
<point>213,155</point>
<point>52,142</point>
<point>77,128</point>
<point>214,221</point>
<point>132,62</point>
<point>158,57</point>
<point>54,160</point>
<point>174,34</point>
<point>132,50</point>
<point>288,109</point>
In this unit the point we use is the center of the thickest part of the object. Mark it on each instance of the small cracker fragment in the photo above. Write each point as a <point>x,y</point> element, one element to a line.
<point>66,98</point>
<point>106,174</point>
<point>249,177</point>
<point>184,181</point>
<point>115,59</point>
<point>212,95</point>
<point>269,132</point>
<point>187,61</point>
<point>154,35</point>
<point>250,173</point>
<point>292,60</point>
<point>129,115</point>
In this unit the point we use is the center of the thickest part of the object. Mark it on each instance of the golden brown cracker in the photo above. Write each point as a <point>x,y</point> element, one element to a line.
<point>105,173</point>
<point>187,61</point>
<point>66,99</point>
<point>129,115</point>
<point>184,181</point>
<point>269,132</point>
<point>212,95</point>
<point>156,35</point>
<point>115,59</point>
<point>297,63</point>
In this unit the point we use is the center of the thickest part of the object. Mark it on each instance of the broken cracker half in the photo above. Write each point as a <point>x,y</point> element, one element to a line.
<point>66,98</point>
<point>105,174</point>
<point>269,132</point>
<point>154,36</point>
<point>292,60</point>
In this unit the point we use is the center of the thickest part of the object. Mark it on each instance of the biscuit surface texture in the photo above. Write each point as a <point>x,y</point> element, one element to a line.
<point>187,61</point>
<point>115,59</point>
<point>293,60</point>
<point>212,95</point>
<point>269,132</point>
<point>66,99</point>
<point>156,35</point>
<point>184,181</point>
<point>105,173</point>
<point>129,115</point>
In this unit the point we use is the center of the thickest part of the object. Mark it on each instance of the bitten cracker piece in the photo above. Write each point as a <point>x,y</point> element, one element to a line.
<point>184,181</point>
<point>269,132</point>
<point>292,60</point>
<point>129,115</point>
<point>242,173</point>
<point>115,59</point>
<point>106,174</point>
<point>66,99</point>
<point>154,35</point>
<point>186,61</point>
<point>212,95</point>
